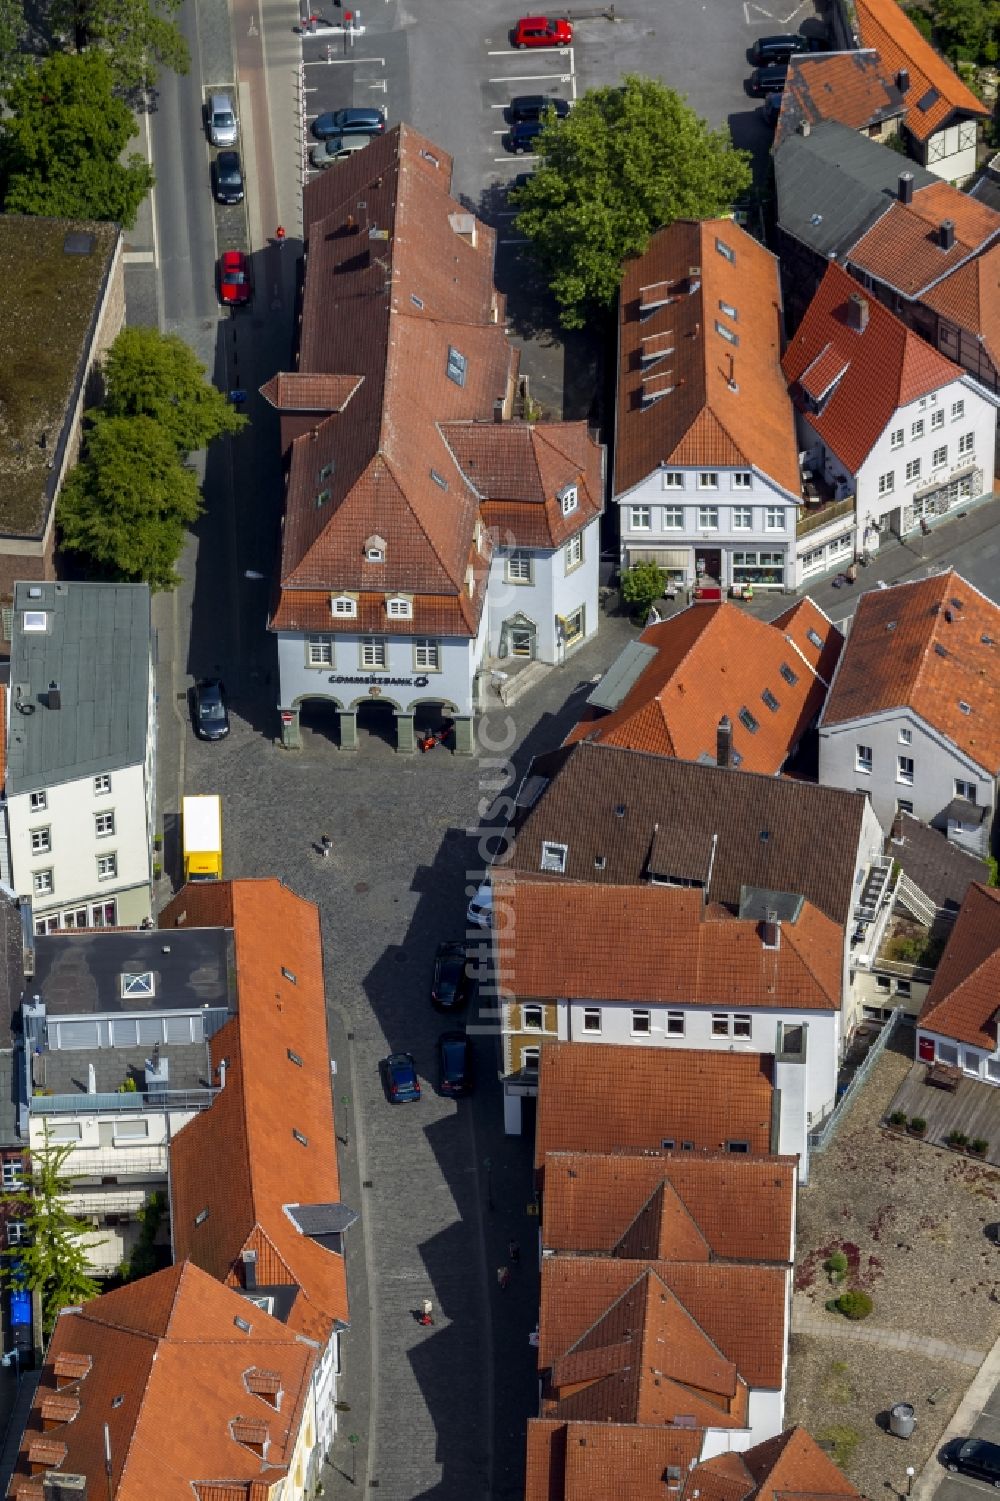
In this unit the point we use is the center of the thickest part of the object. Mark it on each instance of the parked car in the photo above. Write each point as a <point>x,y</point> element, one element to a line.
<point>227,177</point>
<point>520,181</point>
<point>336,149</point>
<point>771,110</point>
<point>525,107</point>
<point>523,137</point>
<point>451,983</point>
<point>978,1457</point>
<point>454,1064</point>
<point>401,1077</point>
<point>223,127</point>
<point>342,122</point>
<point>211,716</point>
<point>778,49</point>
<point>765,81</point>
<point>235,285</point>
<point>480,910</point>
<point>542,31</point>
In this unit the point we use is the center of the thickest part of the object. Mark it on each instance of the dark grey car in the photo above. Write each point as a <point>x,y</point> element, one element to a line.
<point>525,107</point>
<point>227,177</point>
<point>342,122</point>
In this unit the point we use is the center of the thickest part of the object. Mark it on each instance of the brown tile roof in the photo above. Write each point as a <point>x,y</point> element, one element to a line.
<point>656,944</point>
<point>728,406</point>
<point>433,614</point>
<point>936,93</point>
<point>519,468</point>
<point>920,645</point>
<point>723,1322</point>
<point>791,1464</point>
<point>887,366</point>
<point>764,830</point>
<point>964,998</point>
<point>724,1205</point>
<point>239,1160</point>
<point>590,1461</point>
<point>166,1363</point>
<point>636,1097</point>
<point>852,87</point>
<point>714,660</point>
<point>300,391</point>
<point>903,249</point>
<point>970,297</point>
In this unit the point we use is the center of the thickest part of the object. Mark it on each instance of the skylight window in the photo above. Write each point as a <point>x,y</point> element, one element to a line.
<point>294,1058</point>
<point>289,975</point>
<point>143,984</point>
<point>748,722</point>
<point>201,1217</point>
<point>814,637</point>
<point>457,366</point>
<point>789,676</point>
<point>302,1140</point>
<point>243,1324</point>
<point>439,479</point>
<point>770,700</point>
<point>33,620</point>
<point>965,708</point>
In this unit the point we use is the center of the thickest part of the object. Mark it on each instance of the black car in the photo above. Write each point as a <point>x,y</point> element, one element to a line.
<point>343,122</point>
<point>765,81</point>
<point>523,137</point>
<point>227,177</point>
<point>451,983</point>
<point>454,1064</point>
<point>211,717</point>
<point>772,109</point>
<point>527,107</point>
<point>978,1457</point>
<point>777,49</point>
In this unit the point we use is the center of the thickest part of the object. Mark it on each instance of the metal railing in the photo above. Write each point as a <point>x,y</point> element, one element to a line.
<point>92,1104</point>
<point>820,1139</point>
<point>84,1162</point>
<point>811,519</point>
<point>903,971</point>
<point>910,896</point>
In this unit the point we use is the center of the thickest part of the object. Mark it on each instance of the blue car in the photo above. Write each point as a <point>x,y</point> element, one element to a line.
<point>401,1074</point>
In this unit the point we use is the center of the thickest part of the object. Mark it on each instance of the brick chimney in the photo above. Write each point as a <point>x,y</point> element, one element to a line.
<point>903,80</point>
<point>946,234</point>
<point>906,187</point>
<point>724,742</point>
<point>857,312</point>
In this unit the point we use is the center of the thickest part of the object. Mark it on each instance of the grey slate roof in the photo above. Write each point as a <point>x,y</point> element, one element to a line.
<point>834,184</point>
<point>943,870</point>
<point>96,647</point>
<point>622,676</point>
<point>620,813</point>
<point>80,974</point>
<point>319,1220</point>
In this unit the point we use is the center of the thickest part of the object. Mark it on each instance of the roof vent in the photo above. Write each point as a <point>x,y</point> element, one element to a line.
<point>34,591</point>
<point>770,931</point>
<point>54,696</point>
<point>906,187</point>
<point>620,810</point>
<point>803,127</point>
<point>903,80</point>
<point>946,234</point>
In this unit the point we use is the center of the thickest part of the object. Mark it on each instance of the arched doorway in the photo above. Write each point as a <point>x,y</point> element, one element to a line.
<point>376,719</point>
<point>319,723</point>
<point>434,716</point>
<point>519,638</point>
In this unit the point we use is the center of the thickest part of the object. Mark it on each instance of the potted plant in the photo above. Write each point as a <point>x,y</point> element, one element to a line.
<point>899,1119</point>
<point>157,869</point>
<point>957,1141</point>
<point>917,1125</point>
<point>157,841</point>
<point>978,1147</point>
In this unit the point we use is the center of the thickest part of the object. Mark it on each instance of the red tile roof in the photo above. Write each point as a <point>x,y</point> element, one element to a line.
<point>936,94</point>
<point>656,944</point>
<point>727,405</point>
<point>590,1461</point>
<point>964,998</point>
<point>970,297</point>
<point>791,1464</point>
<point>517,468</point>
<point>713,660</point>
<point>903,249</point>
<point>853,87</point>
<point>931,645</point>
<point>887,366</point>
<point>636,1097</point>
<point>166,1376</point>
<point>681,1207</point>
<point>240,1160</point>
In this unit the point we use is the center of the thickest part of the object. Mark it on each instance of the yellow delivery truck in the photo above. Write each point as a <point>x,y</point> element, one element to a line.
<point>201,819</point>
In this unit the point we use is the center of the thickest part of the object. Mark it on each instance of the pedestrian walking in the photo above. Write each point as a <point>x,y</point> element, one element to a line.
<point>427,1312</point>
<point>279,235</point>
<point>326,845</point>
<point>503,1277</point>
<point>514,1252</point>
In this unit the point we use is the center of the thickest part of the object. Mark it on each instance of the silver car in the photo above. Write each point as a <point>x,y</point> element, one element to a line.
<point>336,149</point>
<point>223,127</point>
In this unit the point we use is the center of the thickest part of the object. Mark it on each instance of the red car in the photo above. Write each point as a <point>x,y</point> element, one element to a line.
<point>542,31</point>
<point>235,286</point>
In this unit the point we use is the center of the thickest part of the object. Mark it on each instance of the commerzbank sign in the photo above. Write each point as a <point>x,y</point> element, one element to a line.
<point>379,681</point>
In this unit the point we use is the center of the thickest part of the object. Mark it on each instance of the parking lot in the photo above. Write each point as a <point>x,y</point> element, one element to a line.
<point>964,1487</point>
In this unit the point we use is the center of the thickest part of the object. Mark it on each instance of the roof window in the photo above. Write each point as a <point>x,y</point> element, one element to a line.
<point>322,497</point>
<point>747,721</point>
<point>569,499</point>
<point>143,984</point>
<point>439,479</point>
<point>201,1217</point>
<point>243,1324</point>
<point>942,651</point>
<point>729,310</point>
<point>770,700</point>
<point>294,1058</point>
<point>789,676</point>
<point>375,549</point>
<point>300,1137</point>
<point>965,708</point>
<point>289,975</point>
<point>343,604</point>
<point>34,620</point>
<point>457,366</point>
<point>726,251</point>
<point>417,301</point>
<point>727,333</point>
<point>554,857</point>
<point>814,637</point>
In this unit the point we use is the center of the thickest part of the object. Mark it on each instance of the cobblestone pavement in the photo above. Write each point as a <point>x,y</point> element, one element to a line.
<point>437,1410</point>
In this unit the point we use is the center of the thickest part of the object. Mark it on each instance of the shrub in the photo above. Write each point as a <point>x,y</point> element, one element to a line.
<point>898,1118</point>
<point>918,1125</point>
<point>855,1304</point>
<point>979,1145</point>
<point>836,1265</point>
<point>832,1305</point>
<point>641,585</point>
<point>957,1139</point>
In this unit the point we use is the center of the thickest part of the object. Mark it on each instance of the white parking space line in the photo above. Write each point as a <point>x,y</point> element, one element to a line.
<point>324,62</point>
<point>532,78</point>
<point>513,161</point>
<point>519,52</point>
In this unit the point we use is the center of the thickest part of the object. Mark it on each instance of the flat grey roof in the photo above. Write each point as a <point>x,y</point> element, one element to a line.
<point>623,674</point>
<point>66,1071</point>
<point>81,973</point>
<point>96,647</point>
<point>834,184</point>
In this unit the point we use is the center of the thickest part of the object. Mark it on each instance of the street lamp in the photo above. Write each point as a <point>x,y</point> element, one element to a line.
<point>353,1439</point>
<point>910,1472</point>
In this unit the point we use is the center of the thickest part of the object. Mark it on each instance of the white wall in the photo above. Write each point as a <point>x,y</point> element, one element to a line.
<point>951,153</point>
<point>975,1063</point>
<point>70,817</point>
<point>554,590</point>
<point>765,1416</point>
<point>452,683</point>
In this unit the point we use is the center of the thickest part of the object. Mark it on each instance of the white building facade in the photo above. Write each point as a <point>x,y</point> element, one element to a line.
<point>542,602</point>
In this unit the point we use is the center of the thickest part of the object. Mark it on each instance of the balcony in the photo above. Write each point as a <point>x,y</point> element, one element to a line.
<point>872,912</point>
<point>126,1161</point>
<point>92,1104</point>
<point>822,512</point>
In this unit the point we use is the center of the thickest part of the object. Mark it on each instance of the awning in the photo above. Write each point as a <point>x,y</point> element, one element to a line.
<point>664,557</point>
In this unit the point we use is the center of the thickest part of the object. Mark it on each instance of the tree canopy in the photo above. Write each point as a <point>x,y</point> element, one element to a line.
<point>128,501</point>
<point>53,1260</point>
<point>13,29</point>
<point>627,160</point>
<point>62,143</point>
<point>149,374</point>
<point>137,36</point>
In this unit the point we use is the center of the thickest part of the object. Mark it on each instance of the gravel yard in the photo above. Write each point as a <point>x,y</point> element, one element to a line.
<point>911,1220</point>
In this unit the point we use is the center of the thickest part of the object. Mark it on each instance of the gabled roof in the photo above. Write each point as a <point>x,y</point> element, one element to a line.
<point>935,94</point>
<point>726,405</point>
<point>722,1206</point>
<point>970,297</point>
<point>656,944</point>
<point>940,867</point>
<point>637,1097</point>
<point>167,1365</point>
<point>887,366</point>
<point>267,1141</point>
<point>853,87</point>
<point>906,248</point>
<point>933,646</point>
<point>790,1464</point>
<point>625,816</point>
<point>964,997</point>
<point>714,660</point>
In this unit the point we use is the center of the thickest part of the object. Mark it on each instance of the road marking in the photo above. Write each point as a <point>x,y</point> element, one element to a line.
<point>522,241</point>
<point>139,257</point>
<point>322,62</point>
<point>512,161</point>
<point>533,78</point>
<point>517,51</point>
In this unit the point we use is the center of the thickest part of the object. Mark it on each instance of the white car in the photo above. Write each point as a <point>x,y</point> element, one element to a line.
<point>480,909</point>
<point>337,149</point>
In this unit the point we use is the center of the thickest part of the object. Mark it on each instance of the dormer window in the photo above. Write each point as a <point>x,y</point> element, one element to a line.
<point>457,366</point>
<point>344,605</point>
<point>554,858</point>
<point>375,549</point>
<point>399,607</point>
<point>569,499</point>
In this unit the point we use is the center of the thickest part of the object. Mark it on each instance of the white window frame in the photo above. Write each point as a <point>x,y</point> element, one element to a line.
<point>673,479</point>
<point>569,499</point>
<point>896,438</point>
<point>770,523</point>
<point>957,411</point>
<point>720,1024</point>
<point>864,759</point>
<point>639,519</point>
<point>102,784</point>
<point>887,482</point>
<point>319,651</point>
<point>742,479</point>
<point>344,606</point>
<point>937,419</point>
<point>398,608</point>
<point>592,1020</point>
<point>427,654</point>
<point>672,518</point>
<point>532,1016</point>
<point>573,552</point>
<point>917,429</point>
<point>965,789</point>
<point>905,737</point>
<point>38,802</point>
<point>41,840</point>
<point>107,866</point>
<point>43,882</point>
<point>520,567</point>
<point>904,777</point>
<point>642,1021</point>
<point>553,857</point>
<point>676,1024</point>
<point>708,518</point>
<point>17,1233</point>
<point>12,1171</point>
<point>373,652</point>
<point>912,471</point>
<point>742,518</point>
<point>966,444</point>
<point>708,479</point>
<point>939,458</point>
<point>530,1059</point>
<point>107,818</point>
<point>742,1024</point>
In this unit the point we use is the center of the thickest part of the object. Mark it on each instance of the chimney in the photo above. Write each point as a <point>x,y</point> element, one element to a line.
<point>946,239</point>
<point>249,1270</point>
<point>906,187</point>
<point>59,1487</point>
<point>770,931</point>
<point>314,434</point>
<point>54,698</point>
<point>903,80</point>
<point>498,409</point>
<point>804,127</point>
<point>857,312</point>
<point>724,742</point>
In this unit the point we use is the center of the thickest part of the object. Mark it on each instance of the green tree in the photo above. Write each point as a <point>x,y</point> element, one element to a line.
<point>138,37</point>
<point>62,144</point>
<point>128,501</point>
<point>628,159</point>
<point>965,27</point>
<point>149,374</point>
<point>641,585</point>
<point>54,1260</point>
<point>13,30</point>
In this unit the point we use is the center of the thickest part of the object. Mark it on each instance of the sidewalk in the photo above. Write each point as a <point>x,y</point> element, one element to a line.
<point>807,1321</point>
